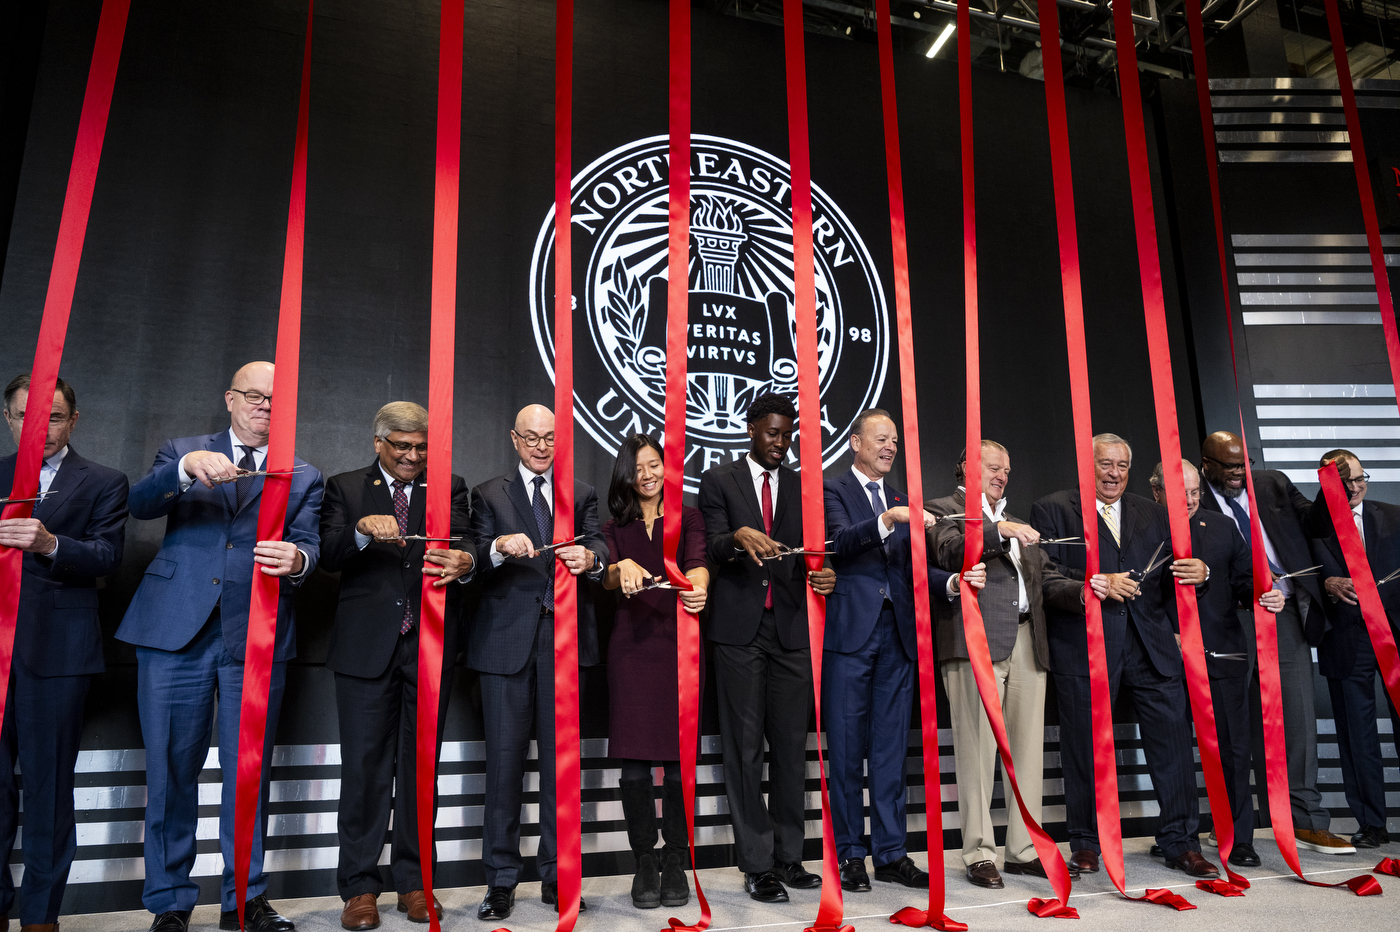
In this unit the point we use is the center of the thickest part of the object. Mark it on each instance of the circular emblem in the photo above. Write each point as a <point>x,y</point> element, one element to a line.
<point>741,336</point>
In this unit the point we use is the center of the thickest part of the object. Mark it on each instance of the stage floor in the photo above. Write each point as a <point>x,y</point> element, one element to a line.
<point>1276,902</point>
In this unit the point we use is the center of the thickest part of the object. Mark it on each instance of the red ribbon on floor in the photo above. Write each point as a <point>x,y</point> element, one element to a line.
<point>272,508</point>
<point>53,326</point>
<point>441,358</point>
<point>673,484</point>
<point>568,826</point>
<point>1388,866</point>
<point>829,913</point>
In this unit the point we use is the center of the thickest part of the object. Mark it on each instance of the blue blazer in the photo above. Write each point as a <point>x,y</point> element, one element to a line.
<point>58,633</point>
<point>867,573</point>
<point>206,558</point>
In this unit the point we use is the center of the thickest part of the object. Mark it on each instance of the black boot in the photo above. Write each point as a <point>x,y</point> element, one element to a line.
<point>675,856</point>
<point>639,808</point>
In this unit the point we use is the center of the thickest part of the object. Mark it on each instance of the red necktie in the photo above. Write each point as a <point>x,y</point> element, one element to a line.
<point>768,528</point>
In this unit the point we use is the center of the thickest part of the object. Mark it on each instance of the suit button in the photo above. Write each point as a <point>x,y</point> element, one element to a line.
<point>406,565</point>
<point>765,582</point>
<point>216,582</point>
<point>399,602</point>
<point>228,546</point>
<point>882,592</point>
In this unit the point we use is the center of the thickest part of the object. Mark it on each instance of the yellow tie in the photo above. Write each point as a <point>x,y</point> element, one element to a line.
<point>1112,525</point>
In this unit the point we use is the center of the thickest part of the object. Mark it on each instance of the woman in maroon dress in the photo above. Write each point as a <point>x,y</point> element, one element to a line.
<point>643,708</point>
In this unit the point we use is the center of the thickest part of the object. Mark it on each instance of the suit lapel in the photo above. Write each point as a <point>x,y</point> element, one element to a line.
<point>380,495</point>
<point>1371,525</point>
<point>220,443</point>
<point>418,510</point>
<point>743,478</point>
<point>71,473</point>
<point>789,488</point>
<point>520,498</point>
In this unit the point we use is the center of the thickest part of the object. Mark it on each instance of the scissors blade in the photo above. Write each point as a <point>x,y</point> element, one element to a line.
<point>250,473</point>
<point>799,553</point>
<point>1212,653</point>
<point>21,501</point>
<point>1389,578</point>
<point>1062,540</point>
<point>562,543</point>
<point>1152,564</point>
<point>663,584</point>
<point>1308,571</point>
<point>417,537</point>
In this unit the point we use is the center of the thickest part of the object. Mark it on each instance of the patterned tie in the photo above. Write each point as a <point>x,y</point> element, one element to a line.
<point>401,513</point>
<point>1107,514</point>
<point>245,485</point>
<point>544,520</point>
<point>768,528</point>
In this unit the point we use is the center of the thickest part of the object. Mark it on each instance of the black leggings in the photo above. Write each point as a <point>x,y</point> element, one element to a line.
<point>633,769</point>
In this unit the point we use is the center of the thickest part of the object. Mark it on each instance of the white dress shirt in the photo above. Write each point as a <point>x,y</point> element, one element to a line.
<point>1023,605</point>
<point>547,490</point>
<point>1360,524</point>
<point>1282,585</point>
<point>864,480</point>
<point>364,540</point>
<point>47,473</point>
<point>1116,511</point>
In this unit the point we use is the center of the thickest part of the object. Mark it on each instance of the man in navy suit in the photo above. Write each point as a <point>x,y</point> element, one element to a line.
<point>74,535</point>
<point>1141,650</point>
<point>189,623</point>
<point>511,644</point>
<point>1346,655</point>
<point>870,655</point>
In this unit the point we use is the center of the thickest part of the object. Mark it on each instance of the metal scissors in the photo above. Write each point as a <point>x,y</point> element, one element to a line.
<point>662,583</point>
<point>562,543</point>
<point>416,537</point>
<point>1389,578</point>
<point>1211,653</point>
<point>249,473</point>
<point>38,498</point>
<point>1072,541</point>
<point>799,552</point>
<point>1152,564</point>
<point>1310,571</point>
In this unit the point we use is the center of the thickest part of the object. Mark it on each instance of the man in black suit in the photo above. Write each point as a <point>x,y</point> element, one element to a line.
<point>1142,655</point>
<point>511,644</point>
<point>1284,515</point>
<point>365,515</point>
<point>1346,656</point>
<point>75,534</point>
<point>763,664</point>
<point>1229,584</point>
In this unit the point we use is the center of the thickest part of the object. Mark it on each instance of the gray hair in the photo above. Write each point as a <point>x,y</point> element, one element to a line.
<point>1107,440</point>
<point>858,425</point>
<point>1159,482</point>
<point>402,417</point>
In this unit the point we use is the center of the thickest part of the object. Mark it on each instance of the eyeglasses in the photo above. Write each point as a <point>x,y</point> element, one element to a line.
<point>1229,467</point>
<point>532,441</point>
<point>54,418</point>
<point>253,398</point>
<point>422,448</point>
<point>1362,479</point>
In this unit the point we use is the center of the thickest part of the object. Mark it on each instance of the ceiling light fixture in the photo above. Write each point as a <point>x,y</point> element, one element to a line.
<point>943,36</point>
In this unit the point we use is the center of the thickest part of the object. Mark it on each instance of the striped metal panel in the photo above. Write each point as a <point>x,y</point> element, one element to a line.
<point>1289,120</point>
<point>1290,280</point>
<point>1298,423</point>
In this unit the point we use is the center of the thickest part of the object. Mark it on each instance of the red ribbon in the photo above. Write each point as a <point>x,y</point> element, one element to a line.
<point>272,508</point>
<point>53,327</point>
<point>1388,866</point>
<point>673,484</point>
<point>829,913</point>
<point>567,803</point>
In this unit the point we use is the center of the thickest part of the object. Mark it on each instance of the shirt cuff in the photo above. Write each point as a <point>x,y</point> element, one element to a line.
<point>50,554</point>
<point>305,565</point>
<point>362,540</point>
<point>186,480</point>
<point>880,523</point>
<point>497,558</point>
<point>951,589</point>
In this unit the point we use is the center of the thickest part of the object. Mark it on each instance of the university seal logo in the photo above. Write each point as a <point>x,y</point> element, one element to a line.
<point>741,322</point>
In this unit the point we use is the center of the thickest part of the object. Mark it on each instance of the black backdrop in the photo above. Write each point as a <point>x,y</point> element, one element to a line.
<point>181,271</point>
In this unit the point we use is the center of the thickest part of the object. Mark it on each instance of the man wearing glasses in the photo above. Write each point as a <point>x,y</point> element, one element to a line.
<point>511,644</point>
<point>1346,656</point>
<point>1283,514</point>
<point>189,624</point>
<point>372,523</point>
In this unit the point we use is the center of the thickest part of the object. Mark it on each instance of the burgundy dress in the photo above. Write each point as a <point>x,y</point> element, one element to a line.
<point>643,708</point>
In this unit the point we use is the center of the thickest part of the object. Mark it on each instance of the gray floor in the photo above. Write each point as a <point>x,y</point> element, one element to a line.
<point>1276,902</point>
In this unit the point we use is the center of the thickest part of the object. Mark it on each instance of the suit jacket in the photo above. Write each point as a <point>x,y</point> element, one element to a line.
<point>502,630</point>
<point>1286,517</point>
<point>1000,599</point>
<point>739,587</point>
<point>57,633</point>
<point>1380,522</point>
<point>376,582</point>
<point>206,558</point>
<point>1217,542</point>
<point>869,571</point>
<point>1144,526</point>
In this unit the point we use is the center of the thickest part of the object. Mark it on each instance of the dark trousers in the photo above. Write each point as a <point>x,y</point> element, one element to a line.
<point>178,693</point>
<point>764,692</point>
<point>867,702</point>
<point>1230,697</point>
<point>510,704</point>
<point>1358,739</point>
<point>379,772</point>
<point>43,724</point>
<point>1166,742</point>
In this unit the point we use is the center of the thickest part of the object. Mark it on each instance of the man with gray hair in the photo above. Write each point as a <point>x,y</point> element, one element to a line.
<point>372,522</point>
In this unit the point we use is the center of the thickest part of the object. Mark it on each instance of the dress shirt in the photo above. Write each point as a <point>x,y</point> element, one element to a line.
<point>47,473</point>
<point>995,514</point>
<point>1116,510</point>
<point>1360,523</point>
<point>364,540</point>
<point>864,481</point>
<point>1282,585</point>
<point>757,472</point>
<point>547,490</point>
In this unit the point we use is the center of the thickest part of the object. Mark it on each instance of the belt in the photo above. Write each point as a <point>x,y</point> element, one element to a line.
<point>1024,619</point>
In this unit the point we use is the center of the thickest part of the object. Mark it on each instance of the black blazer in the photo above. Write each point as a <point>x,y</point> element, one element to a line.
<point>501,631</point>
<point>738,586</point>
<point>1144,526</point>
<point>376,582</point>
<point>1217,542</point>
<point>1285,514</point>
<point>1380,522</point>
<point>57,633</point>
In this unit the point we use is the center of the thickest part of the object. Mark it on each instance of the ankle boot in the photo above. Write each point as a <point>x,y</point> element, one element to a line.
<point>639,809</point>
<point>675,856</point>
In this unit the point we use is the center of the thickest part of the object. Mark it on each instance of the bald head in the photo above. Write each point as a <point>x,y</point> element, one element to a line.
<point>251,420</point>
<point>533,437</point>
<point>1223,463</point>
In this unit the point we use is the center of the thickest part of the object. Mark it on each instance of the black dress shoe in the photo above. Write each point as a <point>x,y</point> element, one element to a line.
<point>1155,852</point>
<point>984,874</point>
<point>176,920</point>
<point>549,896</point>
<point>1029,868</point>
<point>765,887</point>
<point>258,916</point>
<point>497,903</point>
<point>853,876</point>
<point>904,871</point>
<point>1370,836</point>
<point>796,876</point>
<point>1244,855</point>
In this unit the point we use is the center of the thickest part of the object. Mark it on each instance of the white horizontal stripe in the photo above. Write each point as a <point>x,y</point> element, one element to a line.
<point>1301,412</point>
<point>1285,155</point>
<point>1304,240</point>
<point>1301,476</point>
<point>1313,454</point>
<point>1306,278</point>
<point>1359,390</point>
<point>1298,259</point>
<point>1283,318</point>
<point>1290,298</point>
<point>1331,432</point>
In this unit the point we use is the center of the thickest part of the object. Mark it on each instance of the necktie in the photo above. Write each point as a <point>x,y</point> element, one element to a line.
<point>1107,515</point>
<point>876,504</point>
<point>1359,530</point>
<point>401,513</point>
<point>544,519</point>
<point>245,485</point>
<point>1242,519</point>
<point>767,504</point>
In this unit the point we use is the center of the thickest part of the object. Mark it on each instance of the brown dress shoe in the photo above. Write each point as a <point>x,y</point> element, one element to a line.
<point>1084,861</point>
<point>1192,863</point>
<point>360,913</point>
<point>36,927</point>
<point>984,874</point>
<point>1029,868</point>
<point>415,903</point>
